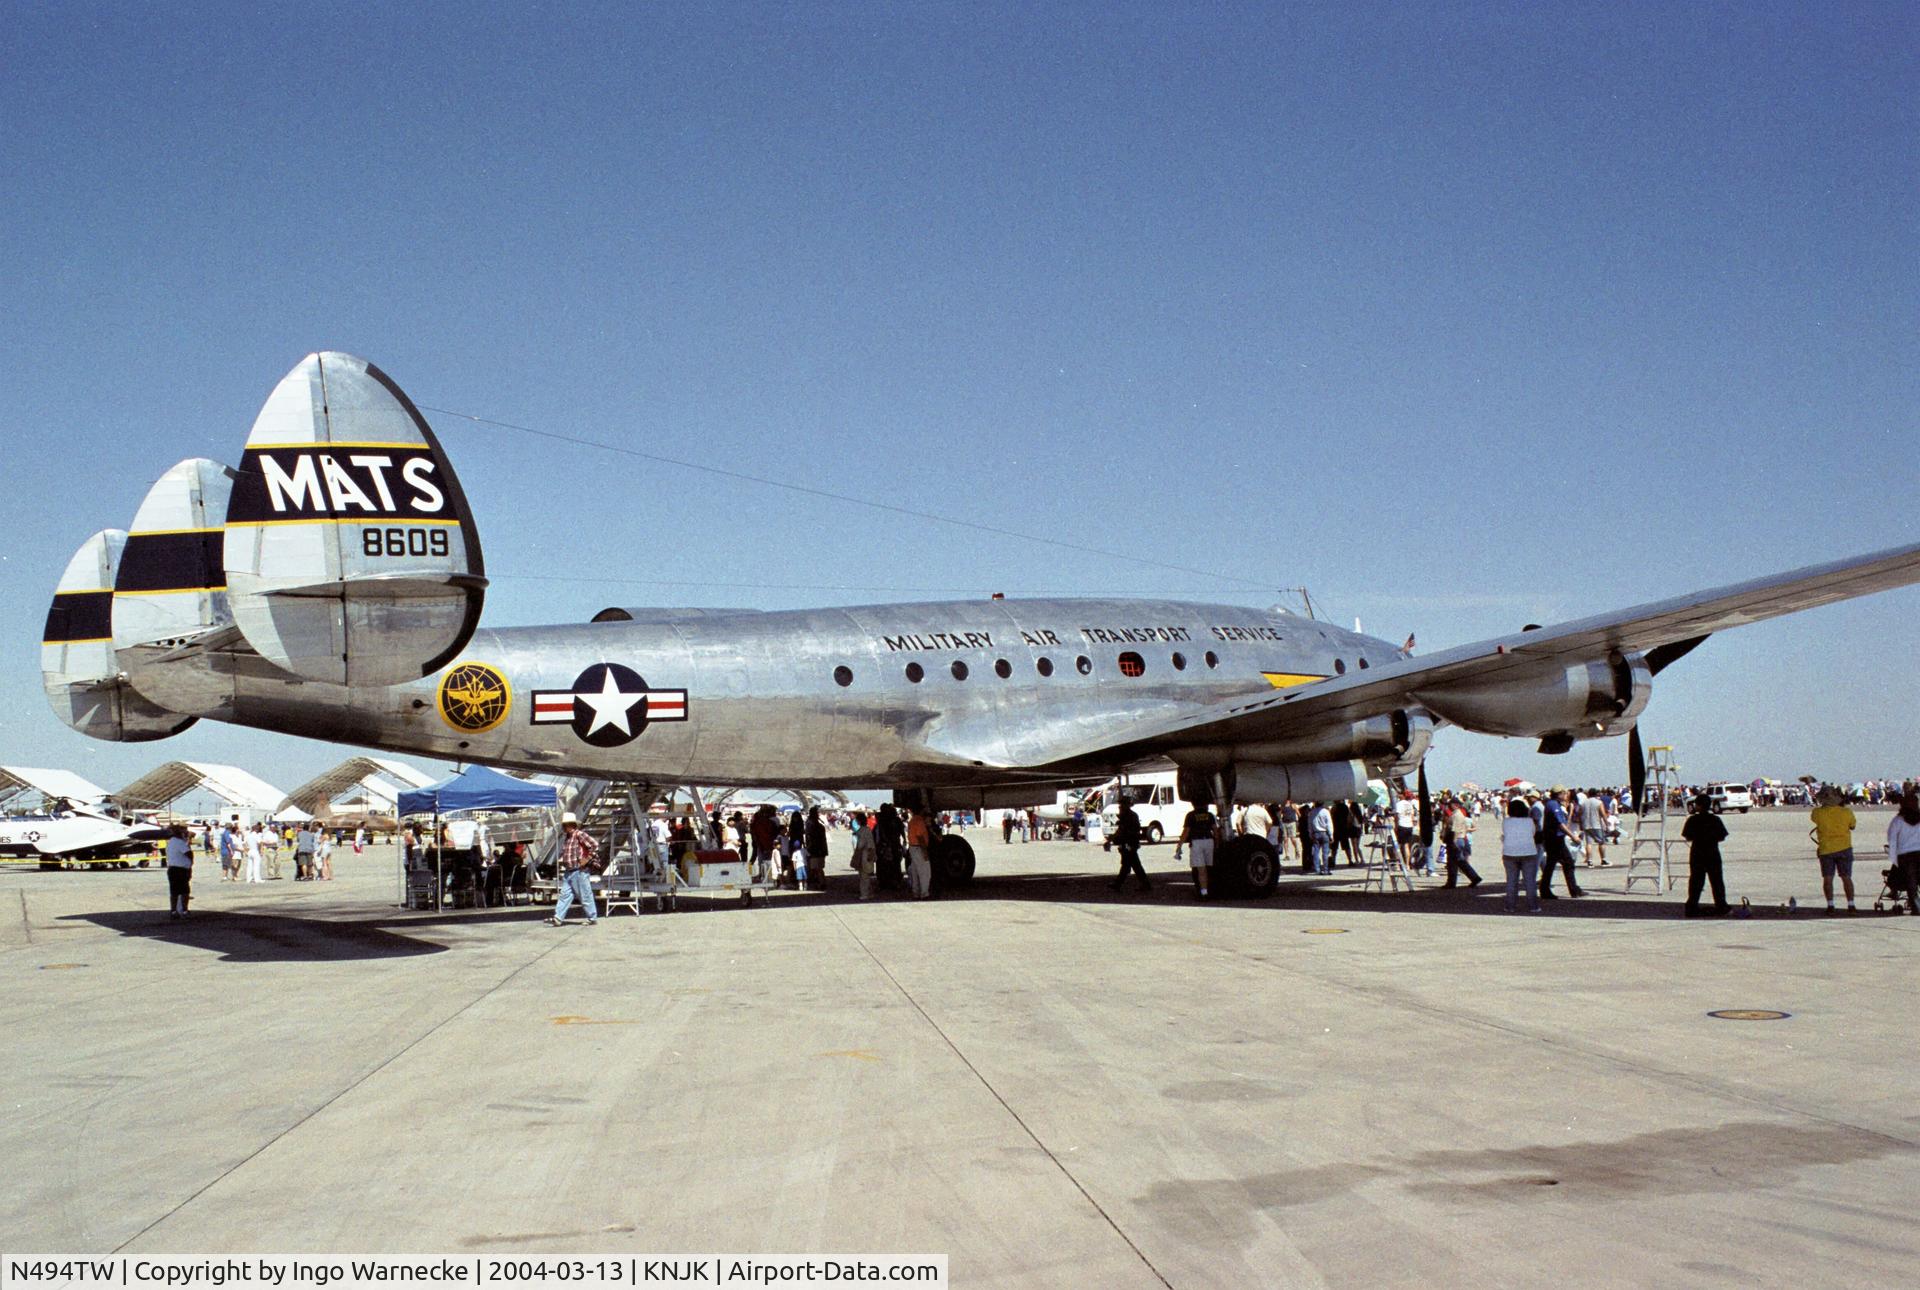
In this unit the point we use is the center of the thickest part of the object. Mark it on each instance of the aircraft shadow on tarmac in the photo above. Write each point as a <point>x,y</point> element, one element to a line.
<point>267,938</point>
<point>1297,894</point>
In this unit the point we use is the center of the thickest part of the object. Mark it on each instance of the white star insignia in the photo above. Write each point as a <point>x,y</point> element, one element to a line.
<point>610,706</point>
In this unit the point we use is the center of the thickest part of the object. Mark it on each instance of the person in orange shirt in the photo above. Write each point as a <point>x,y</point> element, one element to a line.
<point>919,847</point>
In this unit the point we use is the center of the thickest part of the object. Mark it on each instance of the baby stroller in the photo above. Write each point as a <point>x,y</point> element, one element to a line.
<point>1893,890</point>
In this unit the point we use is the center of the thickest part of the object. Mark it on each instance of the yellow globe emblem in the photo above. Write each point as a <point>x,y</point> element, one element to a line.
<point>474,697</point>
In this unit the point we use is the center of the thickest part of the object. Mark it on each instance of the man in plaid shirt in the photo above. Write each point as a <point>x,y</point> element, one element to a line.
<point>577,851</point>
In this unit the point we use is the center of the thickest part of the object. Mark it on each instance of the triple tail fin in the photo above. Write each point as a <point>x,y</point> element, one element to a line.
<point>83,680</point>
<point>350,553</point>
<point>170,585</point>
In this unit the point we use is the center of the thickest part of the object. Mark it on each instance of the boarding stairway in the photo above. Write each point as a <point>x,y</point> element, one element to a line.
<point>1649,860</point>
<point>614,814</point>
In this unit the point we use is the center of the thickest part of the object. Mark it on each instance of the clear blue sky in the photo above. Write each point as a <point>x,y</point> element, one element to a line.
<point>1460,315</point>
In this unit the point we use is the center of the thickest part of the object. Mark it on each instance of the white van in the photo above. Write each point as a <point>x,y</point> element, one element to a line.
<point>1156,800</point>
<point>1724,797</point>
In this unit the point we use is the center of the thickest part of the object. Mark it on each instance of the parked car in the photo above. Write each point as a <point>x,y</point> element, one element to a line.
<point>1722,798</point>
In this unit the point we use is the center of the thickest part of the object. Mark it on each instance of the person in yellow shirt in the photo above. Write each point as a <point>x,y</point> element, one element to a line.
<point>1833,825</point>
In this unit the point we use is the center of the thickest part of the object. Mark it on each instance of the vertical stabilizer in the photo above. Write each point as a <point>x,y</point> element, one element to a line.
<point>82,679</point>
<point>350,553</point>
<point>171,585</point>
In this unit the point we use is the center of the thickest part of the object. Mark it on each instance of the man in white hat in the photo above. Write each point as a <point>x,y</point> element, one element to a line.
<point>577,850</point>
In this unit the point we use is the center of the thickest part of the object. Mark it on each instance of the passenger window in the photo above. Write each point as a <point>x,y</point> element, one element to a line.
<point>1043,665</point>
<point>959,670</point>
<point>915,672</point>
<point>1213,659</point>
<point>1002,668</point>
<point>1340,666</point>
<point>1363,662</point>
<point>1179,661</point>
<point>843,676</point>
<point>1083,665</point>
<point>1131,664</point>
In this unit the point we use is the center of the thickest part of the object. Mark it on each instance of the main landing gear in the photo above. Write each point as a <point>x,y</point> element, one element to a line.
<point>1243,866</point>
<point>952,861</point>
<point>951,855</point>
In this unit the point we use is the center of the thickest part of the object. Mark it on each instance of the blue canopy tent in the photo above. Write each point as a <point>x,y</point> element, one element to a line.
<point>477,788</point>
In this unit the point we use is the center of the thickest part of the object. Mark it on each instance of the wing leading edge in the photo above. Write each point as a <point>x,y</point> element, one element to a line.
<point>1488,663</point>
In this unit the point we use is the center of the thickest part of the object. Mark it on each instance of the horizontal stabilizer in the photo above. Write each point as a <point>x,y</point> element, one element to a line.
<point>77,665</point>
<point>350,553</point>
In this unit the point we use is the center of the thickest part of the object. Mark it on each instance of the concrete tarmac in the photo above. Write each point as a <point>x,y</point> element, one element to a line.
<point>1052,1083</point>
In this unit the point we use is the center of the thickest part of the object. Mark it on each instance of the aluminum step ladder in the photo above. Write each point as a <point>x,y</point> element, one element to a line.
<point>1384,864</point>
<point>1648,860</point>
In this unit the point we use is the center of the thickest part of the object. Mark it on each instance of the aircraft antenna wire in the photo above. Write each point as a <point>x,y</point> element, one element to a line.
<point>808,490</point>
<point>817,586</point>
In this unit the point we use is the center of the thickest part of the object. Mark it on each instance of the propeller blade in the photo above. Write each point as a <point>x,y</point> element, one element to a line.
<point>1636,768</point>
<point>1426,809</point>
<point>1672,652</point>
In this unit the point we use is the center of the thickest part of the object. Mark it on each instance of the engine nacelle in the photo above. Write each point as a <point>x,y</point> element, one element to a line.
<point>995,797</point>
<point>1577,701</point>
<point>1322,781</point>
<point>1392,738</point>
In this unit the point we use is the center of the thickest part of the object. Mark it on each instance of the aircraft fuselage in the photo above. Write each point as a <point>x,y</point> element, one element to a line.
<point>807,698</point>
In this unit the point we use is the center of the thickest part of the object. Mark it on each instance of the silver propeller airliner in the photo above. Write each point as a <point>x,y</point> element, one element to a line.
<point>331,586</point>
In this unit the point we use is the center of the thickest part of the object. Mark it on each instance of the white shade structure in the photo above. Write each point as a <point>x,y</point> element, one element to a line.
<point>237,788</point>
<point>380,780</point>
<point>17,781</point>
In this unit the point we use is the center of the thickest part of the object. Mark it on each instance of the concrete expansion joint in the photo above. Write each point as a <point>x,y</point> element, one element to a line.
<point>1006,1106</point>
<point>352,1084</point>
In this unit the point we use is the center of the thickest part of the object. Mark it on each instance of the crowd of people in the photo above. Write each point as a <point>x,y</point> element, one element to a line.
<point>1541,834</point>
<point>889,847</point>
<point>248,853</point>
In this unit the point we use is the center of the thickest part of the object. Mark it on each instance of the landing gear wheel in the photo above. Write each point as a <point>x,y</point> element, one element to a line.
<point>1246,866</point>
<point>1154,834</point>
<point>952,861</point>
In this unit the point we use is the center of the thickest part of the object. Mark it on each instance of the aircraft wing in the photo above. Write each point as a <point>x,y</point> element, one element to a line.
<point>1679,622</point>
<point>79,833</point>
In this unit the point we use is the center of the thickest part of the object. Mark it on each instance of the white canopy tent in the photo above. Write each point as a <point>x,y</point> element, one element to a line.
<point>379,779</point>
<point>164,785</point>
<point>22,781</point>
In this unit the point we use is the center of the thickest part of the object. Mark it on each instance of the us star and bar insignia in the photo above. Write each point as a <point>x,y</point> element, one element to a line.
<point>608,705</point>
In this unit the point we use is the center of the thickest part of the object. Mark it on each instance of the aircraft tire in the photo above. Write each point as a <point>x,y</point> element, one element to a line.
<point>952,861</point>
<point>1247,866</point>
<point>1154,833</point>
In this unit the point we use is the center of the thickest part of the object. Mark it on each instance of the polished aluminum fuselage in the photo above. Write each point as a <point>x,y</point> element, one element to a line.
<point>764,706</point>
